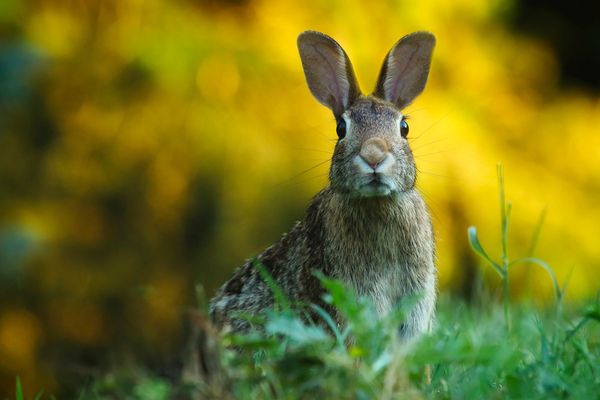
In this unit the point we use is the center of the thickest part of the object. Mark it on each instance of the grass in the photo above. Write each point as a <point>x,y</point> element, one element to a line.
<point>503,266</point>
<point>489,350</point>
<point>470,354</point>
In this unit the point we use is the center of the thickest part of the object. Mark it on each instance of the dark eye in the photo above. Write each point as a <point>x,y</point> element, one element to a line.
<point>404,128</point>
<point>341,128</point>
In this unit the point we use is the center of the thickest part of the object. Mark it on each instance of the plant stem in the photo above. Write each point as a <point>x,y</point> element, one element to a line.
<point>504,220</point>
<point>503,216</point>
<point>506,297</point>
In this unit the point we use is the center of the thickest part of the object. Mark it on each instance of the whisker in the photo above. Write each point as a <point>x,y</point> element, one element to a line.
<point>414,139</point>
<point>325,134</point>
<point>420,171</point>
<point>302,173</point>
<point>432,154</point>
<point>308,179</point>
<point>429,144</point>
<point>433,161</point>
<point>430,202</point>
<point>315,150</point>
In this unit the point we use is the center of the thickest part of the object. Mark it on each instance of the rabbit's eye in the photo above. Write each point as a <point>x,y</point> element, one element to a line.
<point>341,128</point>
<point>404,128</point>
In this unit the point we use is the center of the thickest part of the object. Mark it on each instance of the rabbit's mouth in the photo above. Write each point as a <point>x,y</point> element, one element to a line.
<point>374,180</point>
<point>375,187</point>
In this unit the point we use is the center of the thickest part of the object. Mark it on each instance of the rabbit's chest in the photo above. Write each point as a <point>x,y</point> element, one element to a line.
<point>382,269</point>
<point>384,255</point>
<point>383,284</point>
<point>384,278</point>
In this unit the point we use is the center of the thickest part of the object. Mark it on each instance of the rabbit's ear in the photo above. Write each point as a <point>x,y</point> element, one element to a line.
<point>405,69</point>
<point>328,71</point>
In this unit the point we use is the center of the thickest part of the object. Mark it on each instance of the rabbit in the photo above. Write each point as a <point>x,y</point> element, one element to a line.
<point>370,228</point>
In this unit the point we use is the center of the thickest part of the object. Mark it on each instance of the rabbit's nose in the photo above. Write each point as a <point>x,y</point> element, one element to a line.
<point>373,151</point>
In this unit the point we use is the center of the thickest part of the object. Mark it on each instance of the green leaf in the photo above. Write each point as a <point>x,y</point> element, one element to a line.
<point>343,298</point>
<point>477,248</point>
<point>592,312</point>
<point>383,361</point>
<point>251,341</point>
<point>398,314</point>
<point>293,328</point>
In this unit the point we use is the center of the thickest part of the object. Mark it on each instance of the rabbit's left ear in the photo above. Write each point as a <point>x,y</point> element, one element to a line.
<point>405,69</point>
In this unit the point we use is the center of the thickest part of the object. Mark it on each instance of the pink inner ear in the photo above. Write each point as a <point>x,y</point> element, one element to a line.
<point>336,81</point>
<point>398,71</point>
<point>404,72</point>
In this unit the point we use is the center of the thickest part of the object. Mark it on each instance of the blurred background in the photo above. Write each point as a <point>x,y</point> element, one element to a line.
<point>150,145</point>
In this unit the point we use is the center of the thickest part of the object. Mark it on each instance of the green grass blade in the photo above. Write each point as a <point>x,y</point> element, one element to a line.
<point>537,230</point>
<point>330,322</point>
<point>281,299</point>
<point>477,248</point>
<point>18,390</point>
<point>505,225</point>
<point>201,299</point>
<point>567,282</point>
<point>503,216</point>
<point>546,267</point>
<point>573,331</point>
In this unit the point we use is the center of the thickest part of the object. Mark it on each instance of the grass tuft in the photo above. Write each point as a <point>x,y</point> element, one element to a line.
<point>502,267</point>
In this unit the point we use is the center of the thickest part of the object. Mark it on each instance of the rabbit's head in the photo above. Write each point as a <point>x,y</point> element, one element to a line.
<point>372,156</point>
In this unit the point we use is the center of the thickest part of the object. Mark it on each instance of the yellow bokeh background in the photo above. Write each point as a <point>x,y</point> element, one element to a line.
<point>158,144</point>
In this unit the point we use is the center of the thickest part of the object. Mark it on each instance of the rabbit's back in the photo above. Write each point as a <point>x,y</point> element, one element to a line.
<point>290,262</point>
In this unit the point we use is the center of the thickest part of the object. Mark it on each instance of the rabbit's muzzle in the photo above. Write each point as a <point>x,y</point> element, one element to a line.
<point>374,163</point>
<point>373,152</point>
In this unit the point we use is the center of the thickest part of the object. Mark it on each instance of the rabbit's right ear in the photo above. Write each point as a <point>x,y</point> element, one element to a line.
<point>328,71</point>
